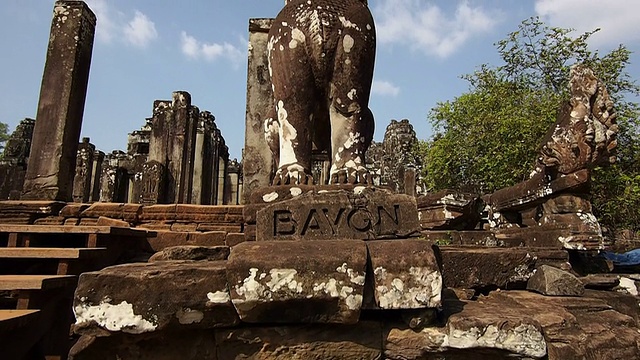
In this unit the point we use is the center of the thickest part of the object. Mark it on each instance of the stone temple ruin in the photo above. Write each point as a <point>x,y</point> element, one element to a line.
<point>118,257</point>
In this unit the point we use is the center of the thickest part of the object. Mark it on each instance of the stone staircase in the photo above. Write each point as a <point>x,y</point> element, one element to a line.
<point>39,268</point>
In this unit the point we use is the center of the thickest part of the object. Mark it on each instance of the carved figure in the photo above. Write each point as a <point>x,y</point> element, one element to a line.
<point>585,133</point>
<point>321,59</point>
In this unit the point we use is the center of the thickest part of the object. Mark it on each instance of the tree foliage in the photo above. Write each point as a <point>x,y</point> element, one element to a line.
<point>488,138</point>
<point>4,136</point>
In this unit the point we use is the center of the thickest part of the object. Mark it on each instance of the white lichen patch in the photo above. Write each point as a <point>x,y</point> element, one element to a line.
<point>629,286</point>
<point>354,276</point>
<point>420,288</point>
<point>524,339</point>
<point>347,43</point>
<point>295,191</point>
<point>187,316</point>
<point>113,317</point>
<point>288,135</point>
<point>250,289</point>
<point>270,197</point>
<point>352,94</point>
<point>218,297</point>
<point>358,190</point>
<point>284,279</point>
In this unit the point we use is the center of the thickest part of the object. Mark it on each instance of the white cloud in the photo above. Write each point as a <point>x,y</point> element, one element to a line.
<point>112,25</point>
<point>618,20</point>
<point>106,28</point>
<point>426,27</point>
<point>384,88</point>
<point>196,49</point>
<point>140,31</point>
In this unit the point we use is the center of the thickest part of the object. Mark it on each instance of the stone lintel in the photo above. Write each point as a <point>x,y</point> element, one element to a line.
<point>536,190</point>
<point>328,212</point>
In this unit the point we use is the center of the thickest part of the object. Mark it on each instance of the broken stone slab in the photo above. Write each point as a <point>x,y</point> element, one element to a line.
<point>148,297</point>
<point>298,281</point>
<point>448,209</point>
<point>405,274</point>
<point>568,321</point>
<point>491,268</point>
<point>600,281</point>
<point>521,325</point>
<point>362,213</point>
<point>552,236</point>
<point>310,342</point>
<point>195,253</point>
<point>550,281</point>
<point>537,190</point>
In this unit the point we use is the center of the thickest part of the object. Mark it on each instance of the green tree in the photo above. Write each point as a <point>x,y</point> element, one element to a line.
<point>4,136</point>
<point>488,137</point>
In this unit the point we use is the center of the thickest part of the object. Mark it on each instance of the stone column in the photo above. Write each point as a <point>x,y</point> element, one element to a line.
<point>84,172</point>
<point>60,109</point>
<point>222,179</point>
<point>198,164</point>
<point>258,160</point>
<point>98,158</point>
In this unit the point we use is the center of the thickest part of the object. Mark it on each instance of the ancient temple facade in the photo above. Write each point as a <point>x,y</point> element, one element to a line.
<point>178,156</point>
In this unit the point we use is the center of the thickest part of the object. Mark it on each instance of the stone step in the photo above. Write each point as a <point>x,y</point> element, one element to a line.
<point>67,229</point>
<point>35,282</point>
<point>50,253</point>
<point>13,319</point>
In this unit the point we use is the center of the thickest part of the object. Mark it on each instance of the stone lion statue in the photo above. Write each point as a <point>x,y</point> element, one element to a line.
<point>321,60</point>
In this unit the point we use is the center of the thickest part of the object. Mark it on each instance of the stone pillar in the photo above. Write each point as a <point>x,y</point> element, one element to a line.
<point>172,143</point>
<point>62,97</point>
<point>84,172</point>
<point>98,158</point>
<point>258,161</point>
<point>222,179</point>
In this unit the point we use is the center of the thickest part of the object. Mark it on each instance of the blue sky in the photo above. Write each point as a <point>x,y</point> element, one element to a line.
<point>144,50</point>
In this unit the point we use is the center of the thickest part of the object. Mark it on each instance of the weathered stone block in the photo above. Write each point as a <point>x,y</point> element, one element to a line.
<point>195,253</point>
<point>200,213</point>
<point>180,227</point>
<point>363,213</point>
<point>550,281</point>
<point>158,213</point>
<point>405,274</point>
<point>185,345</point>
<point>127,212</point>
<point>566,204</point>
<point>298,282</point>
<point>148,297</point>
<point>166,239</point>
<point>106,221</point>
<point>448,209</point>
<point>478,268</point>
<point>73,210</point>
<point>317,342</point>
<point>234,239</point>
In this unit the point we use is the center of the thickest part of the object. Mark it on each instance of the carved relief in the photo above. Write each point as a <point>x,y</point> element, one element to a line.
<point>585,133</point>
